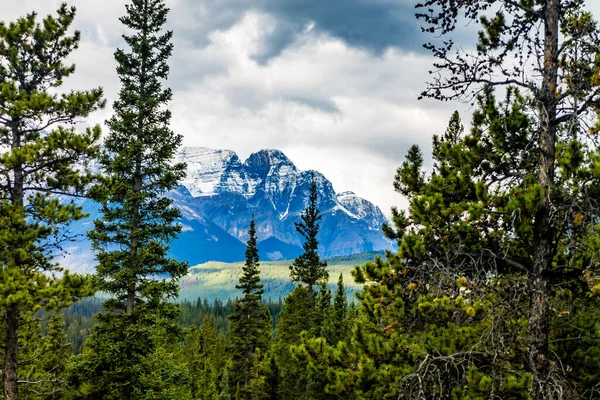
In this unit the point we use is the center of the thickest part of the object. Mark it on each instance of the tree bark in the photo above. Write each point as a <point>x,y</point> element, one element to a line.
<point>12,312</point>
<point>137,187</point>
<point>537,334</point>
<point>137,176</point>
<point>11,347</point>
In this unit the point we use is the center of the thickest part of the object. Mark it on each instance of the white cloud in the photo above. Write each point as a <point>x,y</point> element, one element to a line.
<point>288,103</point>
<point>331,107</point>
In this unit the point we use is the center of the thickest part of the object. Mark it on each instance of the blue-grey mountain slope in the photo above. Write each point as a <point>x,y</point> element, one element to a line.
<point>228,192</point>
<point>221,193</point>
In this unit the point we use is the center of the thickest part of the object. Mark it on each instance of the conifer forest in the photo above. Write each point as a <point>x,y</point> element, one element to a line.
<point>491,290</point>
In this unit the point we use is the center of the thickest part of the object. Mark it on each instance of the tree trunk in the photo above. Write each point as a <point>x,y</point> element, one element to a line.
<point>12,313</point>
<point>537,334</point>
<point>137,176</point>
<point>10,381</point>
<point>137,187</point>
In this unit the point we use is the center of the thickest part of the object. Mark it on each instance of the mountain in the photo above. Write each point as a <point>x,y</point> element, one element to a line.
<point>221,193</point>
<point>227,191</point>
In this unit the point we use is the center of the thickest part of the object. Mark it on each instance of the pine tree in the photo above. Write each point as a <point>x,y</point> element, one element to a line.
<point>335,327</point>
<point>204,355</point>
<point>293,320</point>
<point>250,322</point>
<point>449,312</point>
<point>547,49</point>
<point>138,221</point>
<point>322,311</point>
<point>43,160</point>
<point>303,309</point>
<point>308,268</point>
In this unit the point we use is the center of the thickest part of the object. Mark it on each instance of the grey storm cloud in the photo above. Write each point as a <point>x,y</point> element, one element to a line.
<point>374,25</point>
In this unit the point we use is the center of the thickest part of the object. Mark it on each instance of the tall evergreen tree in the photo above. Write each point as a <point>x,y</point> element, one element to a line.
<point>322,310</point>
<point>548,49</point>
<point>308,268</point>
<point>293,320</point>
<point>303,309</point>
<point>250,323</point>
<point>41,157</point>
<point>335,327</point>
<point>447,316</point>
<point>138,221</point>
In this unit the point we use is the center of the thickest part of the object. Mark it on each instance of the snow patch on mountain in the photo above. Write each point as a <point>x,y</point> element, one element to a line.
<point>205,168</point>
<point>362,209</point>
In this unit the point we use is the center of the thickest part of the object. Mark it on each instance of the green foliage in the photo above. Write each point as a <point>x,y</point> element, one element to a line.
<point>204,354</point>
<point>449,312</point>
<point>45,357</point>
<point>336,324</point>
<point>79,318</point>
<point>217,280</point>
<point>273,379</point>
<point>294,319</point>
<point>527,204</point>
<point>79,321</point>
<point>258,387</point>
<point>138,222</point>
<point>43,160</point>
<point>493,293</point>
<point>304,312</point>
<point>167,378</point>
<point>225,393</point>
<point>308,268</point>
<point>322,310</point>
<point>250,335</point>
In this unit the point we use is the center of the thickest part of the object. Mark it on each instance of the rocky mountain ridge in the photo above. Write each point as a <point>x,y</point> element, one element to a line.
<point>268,184</point>
<point>220,194</point>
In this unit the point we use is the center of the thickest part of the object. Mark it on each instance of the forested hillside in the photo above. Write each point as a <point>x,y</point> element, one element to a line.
<point>215,280</point>
<point>493,291</point>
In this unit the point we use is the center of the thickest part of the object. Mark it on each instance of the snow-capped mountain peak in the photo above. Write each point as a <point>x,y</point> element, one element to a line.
<point>269,160</point>
<point>205,168</point>
<point>221,194</point>
<point>362,209</point>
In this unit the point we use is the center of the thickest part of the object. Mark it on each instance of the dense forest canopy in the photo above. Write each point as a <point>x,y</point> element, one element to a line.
<point>493,292</point>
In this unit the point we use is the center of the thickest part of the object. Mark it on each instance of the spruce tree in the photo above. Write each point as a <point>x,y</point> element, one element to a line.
<point>303,309</point>
<point>138,221</point>
<point>335,327</point>
<point>250,323</point>
<point>322,311</point>
<point>308,268</point>
<point>43,160</point>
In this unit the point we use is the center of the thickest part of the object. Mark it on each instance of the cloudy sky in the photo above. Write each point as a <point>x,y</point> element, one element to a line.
<point>332,83</point>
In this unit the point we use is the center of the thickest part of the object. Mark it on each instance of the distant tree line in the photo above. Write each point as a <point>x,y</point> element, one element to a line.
<point>79,318</point>
<point>493,293</point>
